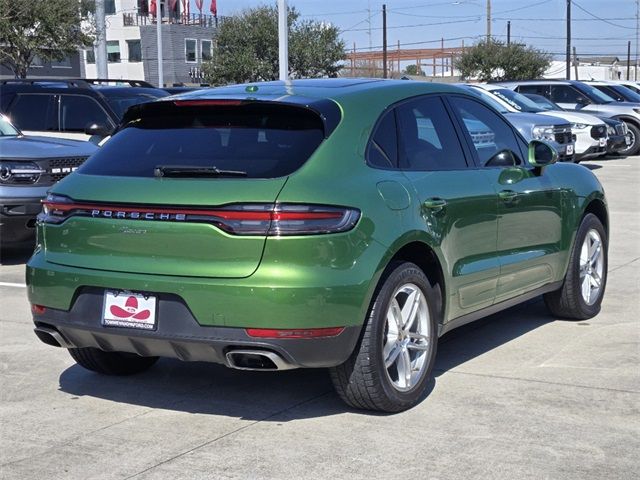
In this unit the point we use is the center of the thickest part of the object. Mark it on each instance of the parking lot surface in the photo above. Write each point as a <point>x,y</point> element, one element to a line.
<point>517,395</point>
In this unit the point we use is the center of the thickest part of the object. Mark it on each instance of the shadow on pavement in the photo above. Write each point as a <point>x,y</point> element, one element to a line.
<point>15,256</point>
<point>211,389</point>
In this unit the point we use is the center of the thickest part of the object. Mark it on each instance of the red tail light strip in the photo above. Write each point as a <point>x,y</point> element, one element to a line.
<point>224,214</point>
<point>206,103</point>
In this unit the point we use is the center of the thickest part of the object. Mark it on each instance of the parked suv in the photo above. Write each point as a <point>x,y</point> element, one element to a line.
<point>342,223</point>
<point>618,138</point>
<point>28,168</point>
<point>620,93</point>
<point>75,109</point>
<point>590,132</point>
<point>556,131</point>
<point>574,95</point>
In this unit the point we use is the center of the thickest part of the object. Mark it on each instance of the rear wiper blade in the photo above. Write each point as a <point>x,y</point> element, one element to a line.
<point>194,171</point>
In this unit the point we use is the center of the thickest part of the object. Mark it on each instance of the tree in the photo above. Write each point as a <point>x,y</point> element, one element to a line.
<point>246,48</point>
<point>413,70</point>
<point>50,30</point>
<point>494,60</point>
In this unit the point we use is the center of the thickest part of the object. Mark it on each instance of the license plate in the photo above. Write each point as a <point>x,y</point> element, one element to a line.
<point>129,310</point>
<point>569,149</point>
<point>603,142</point>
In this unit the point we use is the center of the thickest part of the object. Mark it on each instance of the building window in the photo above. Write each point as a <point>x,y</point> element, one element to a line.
<point>90,55</point>
<point>64,63</point>
<point>135,50</point>
<point>205,45</point>
<point>37,62</point>
<point>113,51</point>
<point>190,50</point>
<point>109,7</point>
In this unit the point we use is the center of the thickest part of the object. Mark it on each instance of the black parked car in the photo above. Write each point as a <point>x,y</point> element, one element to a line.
<point>28,167</point>
<point>75,109</point>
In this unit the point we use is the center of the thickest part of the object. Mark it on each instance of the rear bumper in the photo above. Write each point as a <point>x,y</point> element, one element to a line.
<point>178,335</point>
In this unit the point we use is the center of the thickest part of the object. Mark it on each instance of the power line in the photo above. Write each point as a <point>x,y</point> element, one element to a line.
<point>600,18</point>
<point>413,26</point>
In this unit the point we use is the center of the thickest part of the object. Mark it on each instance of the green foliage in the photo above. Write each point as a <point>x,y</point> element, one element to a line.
<point>494,60</point>
<point>246,48</point>
<point>49,29</point>
<point>413,70</point>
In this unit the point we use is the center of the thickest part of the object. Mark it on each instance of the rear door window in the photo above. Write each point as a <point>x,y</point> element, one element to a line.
<point>77,111</point>
<point>261,139</point>
<point>34,112</point>
<point>428,139</point>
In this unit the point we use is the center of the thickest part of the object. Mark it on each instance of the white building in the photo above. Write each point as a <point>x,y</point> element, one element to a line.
<point>132,42</point>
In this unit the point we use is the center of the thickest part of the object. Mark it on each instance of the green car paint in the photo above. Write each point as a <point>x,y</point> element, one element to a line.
<point>488,249</point>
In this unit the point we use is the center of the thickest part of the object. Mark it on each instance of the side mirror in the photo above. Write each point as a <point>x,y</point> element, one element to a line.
<point>583,101</point>
<point>541,153</point>
<point>503,158</point>
<point>97,129</point>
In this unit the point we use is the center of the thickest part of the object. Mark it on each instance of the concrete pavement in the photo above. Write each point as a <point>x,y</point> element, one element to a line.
<point>516,395</point>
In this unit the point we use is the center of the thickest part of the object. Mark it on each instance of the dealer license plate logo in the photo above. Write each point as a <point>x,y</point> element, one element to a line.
<point>569,149</point>
<point>603,142</point>
<point>129,310</point>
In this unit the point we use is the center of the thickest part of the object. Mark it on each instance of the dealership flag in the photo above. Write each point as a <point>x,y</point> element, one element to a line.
<point>199,4</point>
<point>214,8</point>
<point>153,8</point>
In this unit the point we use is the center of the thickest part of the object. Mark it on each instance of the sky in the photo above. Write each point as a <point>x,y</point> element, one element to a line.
<point>600,27</point>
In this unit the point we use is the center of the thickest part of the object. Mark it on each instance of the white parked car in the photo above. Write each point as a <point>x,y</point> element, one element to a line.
<point>590,131</point>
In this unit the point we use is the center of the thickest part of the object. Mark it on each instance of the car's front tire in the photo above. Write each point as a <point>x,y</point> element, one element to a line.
<point>634,133</point>
<point>111,363</point>
<point>390,368</point>
<point>581,294</point>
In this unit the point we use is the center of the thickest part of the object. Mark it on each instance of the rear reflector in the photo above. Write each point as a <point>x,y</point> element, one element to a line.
<point>298,333</point>
<point>38,309</point>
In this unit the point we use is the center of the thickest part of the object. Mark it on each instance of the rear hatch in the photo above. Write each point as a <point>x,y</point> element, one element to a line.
<point>184,188</point>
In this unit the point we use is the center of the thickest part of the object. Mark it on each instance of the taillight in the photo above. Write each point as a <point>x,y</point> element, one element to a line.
<point>237,219</point>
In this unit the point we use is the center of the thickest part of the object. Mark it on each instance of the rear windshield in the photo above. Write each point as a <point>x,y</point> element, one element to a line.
<point>263,140</point>
<point>121,101</point>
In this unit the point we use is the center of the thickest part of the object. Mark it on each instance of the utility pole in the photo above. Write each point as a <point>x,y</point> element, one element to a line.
<point>369,21</point>
<point>488,21</point>
<point>509,32</point>
<point>283,40</point>
<point>384,41</point>
<point>637,30</point>
<point>159,41</point>
<point>568,57</point>
<point>575,62</point>
<point>629,60</point>
<point>101,41</point>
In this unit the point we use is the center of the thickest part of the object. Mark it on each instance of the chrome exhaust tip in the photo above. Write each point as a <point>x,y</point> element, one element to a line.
<point>257,360</point>
<point>52,337</point>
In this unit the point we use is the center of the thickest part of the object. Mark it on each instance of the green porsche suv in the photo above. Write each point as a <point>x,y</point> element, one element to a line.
<point>340,223</point>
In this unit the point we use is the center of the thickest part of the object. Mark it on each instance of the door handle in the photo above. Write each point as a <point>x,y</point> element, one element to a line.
<point>435,204</point>
<point>507,195</point>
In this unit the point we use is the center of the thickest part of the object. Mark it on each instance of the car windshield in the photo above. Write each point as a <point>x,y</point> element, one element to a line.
<point>516,100</point>
<point>488,98</point>
<point>121,101</point>
<point>6,129</point>
<point>256,140</point>
<point>594,94</point>
<point>543,102</point>
<point>626,93</point>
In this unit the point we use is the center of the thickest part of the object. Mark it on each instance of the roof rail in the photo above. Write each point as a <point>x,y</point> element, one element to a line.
<point>117,81</point>
<point>80,83</point>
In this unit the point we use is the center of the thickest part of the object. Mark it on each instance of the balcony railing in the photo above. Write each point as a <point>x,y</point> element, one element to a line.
<point>192,20</point>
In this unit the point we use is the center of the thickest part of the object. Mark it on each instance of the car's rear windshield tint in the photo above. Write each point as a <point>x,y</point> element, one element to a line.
<point>264,140</point>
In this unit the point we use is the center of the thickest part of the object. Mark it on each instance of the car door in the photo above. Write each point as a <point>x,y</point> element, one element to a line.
<point>529,201</point>
<point>457,205</point>
<point>34,113</point>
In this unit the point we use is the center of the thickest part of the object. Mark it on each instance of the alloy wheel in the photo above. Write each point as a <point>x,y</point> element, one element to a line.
<point>591,267</point>
<point>407,337</point>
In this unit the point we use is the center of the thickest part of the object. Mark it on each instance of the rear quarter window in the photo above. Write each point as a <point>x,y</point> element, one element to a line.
<point>264,140</point>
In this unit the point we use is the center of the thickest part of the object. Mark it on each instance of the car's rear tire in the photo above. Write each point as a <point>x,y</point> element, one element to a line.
<point>390,367</point>
<point>111,363</point>
<point>634,148</point>
<point>581,294</point>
